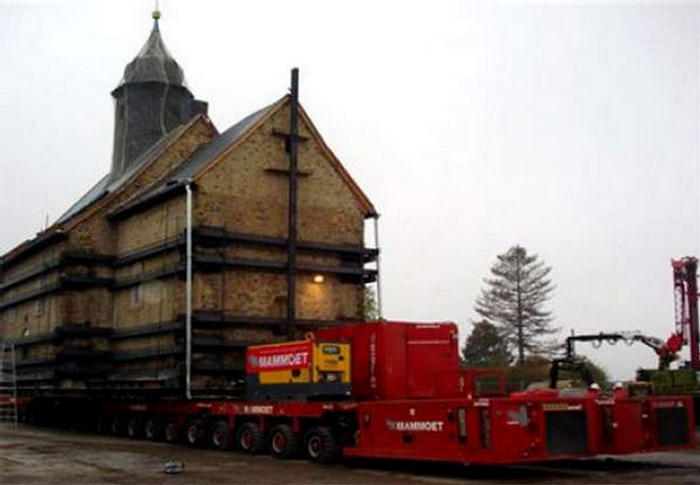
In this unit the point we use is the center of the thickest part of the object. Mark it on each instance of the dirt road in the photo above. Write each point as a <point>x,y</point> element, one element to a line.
<point>31,455</point>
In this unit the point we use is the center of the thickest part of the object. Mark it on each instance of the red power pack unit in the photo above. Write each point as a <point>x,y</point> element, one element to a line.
<point>396,360</point>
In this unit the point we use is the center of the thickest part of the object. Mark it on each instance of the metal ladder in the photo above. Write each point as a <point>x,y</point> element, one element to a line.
<point>8,384</point>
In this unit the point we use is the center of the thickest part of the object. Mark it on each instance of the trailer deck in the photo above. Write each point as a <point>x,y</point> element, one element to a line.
<point>526,427</point>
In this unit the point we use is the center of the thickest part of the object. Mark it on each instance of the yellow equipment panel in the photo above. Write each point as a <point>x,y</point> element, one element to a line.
<point>298,370</point>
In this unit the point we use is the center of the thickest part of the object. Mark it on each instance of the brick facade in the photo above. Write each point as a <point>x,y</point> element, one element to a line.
<point>102,303</point>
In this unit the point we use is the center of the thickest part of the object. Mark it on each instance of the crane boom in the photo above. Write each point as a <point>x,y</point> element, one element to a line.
<point>685,288</point>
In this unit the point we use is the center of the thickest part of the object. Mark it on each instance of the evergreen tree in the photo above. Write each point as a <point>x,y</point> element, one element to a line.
<point>514,301</point>
<point>535,370</point>
<point>485,347</point>
<point>599,374</point>
<point>370,307</point>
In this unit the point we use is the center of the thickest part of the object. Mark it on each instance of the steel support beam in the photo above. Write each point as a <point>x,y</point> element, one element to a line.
<point>380,313</point>
<point>292,210</point>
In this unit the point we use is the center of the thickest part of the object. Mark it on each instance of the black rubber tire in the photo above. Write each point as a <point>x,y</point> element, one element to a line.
<point>283,442</point>
<point>153,429</point>
<point>30,416</point>
<point>249,439</point>
<point>196,433</point>
<point>134,428</point>
<point>321,446</point>
<point>84,423</point>
<point>172,432</point>
<point>220,436</point>
<point>118,426</point>
<point>104,424</point>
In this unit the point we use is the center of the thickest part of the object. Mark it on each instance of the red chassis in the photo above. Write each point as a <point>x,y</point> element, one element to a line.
<point>410,401</point>
<point>523,427</point>
<point>529,427</point>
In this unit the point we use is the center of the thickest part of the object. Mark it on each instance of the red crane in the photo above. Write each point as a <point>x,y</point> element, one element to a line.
<point>685,287</point>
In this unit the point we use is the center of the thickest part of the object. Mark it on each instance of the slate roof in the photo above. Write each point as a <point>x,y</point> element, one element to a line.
<point>200,158</point>
<point>107,184</point>
<point>92,195</point>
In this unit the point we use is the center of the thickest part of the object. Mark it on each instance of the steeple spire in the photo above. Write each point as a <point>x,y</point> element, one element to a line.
<point>151,100</point>
<point>154,63</point>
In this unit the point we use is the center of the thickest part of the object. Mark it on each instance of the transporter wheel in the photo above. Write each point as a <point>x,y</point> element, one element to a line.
<point>321,446</point>
<point>153,429</point>
<point>172,431</point>
<point>134,428</point>
<point>84,423</point>
<point>30,416</point>
<point>220,436</point>
<point>104,424</point>
<point>283,442</point>
<point>249,439</point>
<point>118,426</point>
<point>196,433</point>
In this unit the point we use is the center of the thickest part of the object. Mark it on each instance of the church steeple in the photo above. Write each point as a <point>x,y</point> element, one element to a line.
<point>151,100</point>
<point>153,62</point>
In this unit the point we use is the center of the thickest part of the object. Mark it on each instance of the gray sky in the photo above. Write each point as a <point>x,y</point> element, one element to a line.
<point>571,129</point>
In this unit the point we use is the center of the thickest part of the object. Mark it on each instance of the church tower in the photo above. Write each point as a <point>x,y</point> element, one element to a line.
<point>150,101</point>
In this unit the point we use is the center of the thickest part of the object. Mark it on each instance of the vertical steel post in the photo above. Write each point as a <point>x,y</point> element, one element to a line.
<point>15,405</point>
<point>691,274</point>
<point>380,313</point>
<point>188,294</point>
<point>292,211</point>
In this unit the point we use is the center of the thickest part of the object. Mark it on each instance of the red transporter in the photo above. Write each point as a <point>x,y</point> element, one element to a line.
<point>408,399</point>
<point>416,403</point>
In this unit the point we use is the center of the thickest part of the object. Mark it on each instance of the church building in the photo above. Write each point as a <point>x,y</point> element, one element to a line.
<point>195,244</point>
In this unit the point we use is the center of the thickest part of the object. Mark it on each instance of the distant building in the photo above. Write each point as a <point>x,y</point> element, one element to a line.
<point>98,300</point>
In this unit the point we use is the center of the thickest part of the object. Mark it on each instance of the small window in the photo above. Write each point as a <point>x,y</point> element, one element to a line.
<point>331,349</point>
<point>136,295</point>
<point>137,270</point>
<point>39,306</point>
<point>153,292</point>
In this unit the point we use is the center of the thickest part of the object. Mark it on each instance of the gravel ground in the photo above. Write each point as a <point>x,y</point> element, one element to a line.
<point>30,455</point>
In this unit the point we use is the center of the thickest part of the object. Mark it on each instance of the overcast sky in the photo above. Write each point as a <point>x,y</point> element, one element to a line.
<point>571,129</point>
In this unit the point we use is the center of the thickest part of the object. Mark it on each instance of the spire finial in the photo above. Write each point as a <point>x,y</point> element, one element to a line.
<point>156,12</point>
